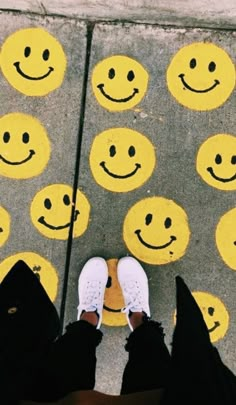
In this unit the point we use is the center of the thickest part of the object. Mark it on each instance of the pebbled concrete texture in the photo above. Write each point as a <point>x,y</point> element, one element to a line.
<point>201,13</point>
<point>59,114</point>
<point>176,134</point>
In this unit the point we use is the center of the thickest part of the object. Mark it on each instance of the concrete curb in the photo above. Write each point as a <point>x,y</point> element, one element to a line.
<point>187,13</point>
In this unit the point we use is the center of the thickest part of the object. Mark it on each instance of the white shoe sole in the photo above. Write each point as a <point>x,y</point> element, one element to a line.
<point>94,269</point>
<point>129,269</point>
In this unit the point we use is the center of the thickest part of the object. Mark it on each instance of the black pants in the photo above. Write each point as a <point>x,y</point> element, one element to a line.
<point>70,363</point>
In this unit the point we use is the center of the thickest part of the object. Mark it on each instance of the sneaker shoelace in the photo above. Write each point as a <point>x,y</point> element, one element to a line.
<point>92,296</point>
<point>133,296</point>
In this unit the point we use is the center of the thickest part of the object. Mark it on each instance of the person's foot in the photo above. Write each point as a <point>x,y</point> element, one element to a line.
<point>134,285</point>
<point>91,288</point>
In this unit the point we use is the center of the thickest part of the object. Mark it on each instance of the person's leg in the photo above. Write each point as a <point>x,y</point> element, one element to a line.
<point>149,358</point>
<point>70,363</point>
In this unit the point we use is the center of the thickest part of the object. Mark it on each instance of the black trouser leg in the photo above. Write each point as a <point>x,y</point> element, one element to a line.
<point>70,363</point>
<point>149,359</point>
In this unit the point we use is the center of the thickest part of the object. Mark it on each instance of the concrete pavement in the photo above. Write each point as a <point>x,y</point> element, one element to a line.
<point>134,155</point>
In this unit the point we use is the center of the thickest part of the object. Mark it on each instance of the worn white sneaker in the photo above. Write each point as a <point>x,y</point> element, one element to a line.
<point>91,287</point>
<point>134,285</point>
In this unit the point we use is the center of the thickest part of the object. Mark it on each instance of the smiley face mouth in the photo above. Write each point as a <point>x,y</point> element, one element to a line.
<point>138,233</point>
<point>18,69</point>
<point>117,176</point>
<point>116,100</point>
<point>186,85</point>
<point>32,152</point>
<point>217,324</point>
<point>223,180</point>
<point>111,309</point>
<point>42,221</point>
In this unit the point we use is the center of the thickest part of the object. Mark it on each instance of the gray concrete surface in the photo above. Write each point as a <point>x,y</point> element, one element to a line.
<point>186,13</point>
<point>176,133</point>
<point>59,113</point>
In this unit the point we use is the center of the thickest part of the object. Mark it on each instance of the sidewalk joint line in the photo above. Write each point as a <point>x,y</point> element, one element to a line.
<point>228,26</point>
<point>89,37</point>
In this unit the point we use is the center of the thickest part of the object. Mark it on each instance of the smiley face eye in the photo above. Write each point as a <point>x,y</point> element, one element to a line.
<point>111,73</point>
<point>109,282</point>
<point>46,54</point>
<point>218,159</point>
<point>212,67</point>
<point>233,160</point>
<point>130,76</point>
<point>168,223</point>
<point>47,203</point>
<point>211,311</point>
<point>27,51</point>
<point>193,63</point>
<point>66,199</point>
<point>131,151</point>
<point>112,150</point>
<point>6,137</point>
<point>148,219</point>
<point>25,137</point>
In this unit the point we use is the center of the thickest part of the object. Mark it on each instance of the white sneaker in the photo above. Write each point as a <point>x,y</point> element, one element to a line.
<point>91,286</point>
<point>134,285</point>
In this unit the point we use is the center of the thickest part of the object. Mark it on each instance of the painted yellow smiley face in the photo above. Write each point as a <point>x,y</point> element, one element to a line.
<point>156,230</point>
<point>226,238</point>
<point>113,299</point>
<point>51,212</point>
<point>41,267</point>
<point>121,159</point>
<point>5,223</point>
<point>216,161</point>
<point>24,146</point>
<point>33,61</point>
<point>201,76</point>
<point>214,313</point>
<point>119,82</point>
